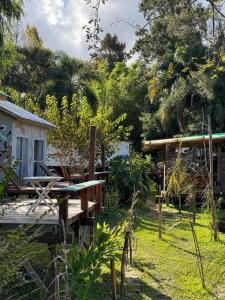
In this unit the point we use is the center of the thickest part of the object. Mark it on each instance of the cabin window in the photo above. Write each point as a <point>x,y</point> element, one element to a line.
<point>22,156</point>
<point>38,157</point>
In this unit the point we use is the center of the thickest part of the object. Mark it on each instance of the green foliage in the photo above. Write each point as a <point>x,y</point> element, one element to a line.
<point>111,50</point>
<point>123,90</point>
<point>10,11</point>
<point>16,246</point>
<point>85,265</point>
<point>186,72</point>
<point>32,37</point>
<point>70,136</point>
<point>8,56</point>
<point>112,199</point>
<point>108,131</point>
<point>4,181</point>
<point>177,178</point>
<point>130,175</point>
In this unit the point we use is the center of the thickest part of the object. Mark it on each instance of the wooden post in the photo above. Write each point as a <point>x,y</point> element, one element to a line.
<point>63,213</point>
<point>194,200</point>
<point>76,228</point>
<point>212,202</point>
<point>113,278</point>
<point>123,265</point>
<point>130,249</point>
<point>164,178</point>
<point>159,201</point>
<point>98,197</point>
<point>219,165</point>
<point>91,166</point>
<point>84,201</point>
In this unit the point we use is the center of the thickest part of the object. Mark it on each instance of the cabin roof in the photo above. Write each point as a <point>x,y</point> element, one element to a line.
<point>189,141</point>
<point>20,113</point>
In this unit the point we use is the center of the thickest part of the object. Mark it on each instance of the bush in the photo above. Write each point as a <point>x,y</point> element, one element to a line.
<point>130,175</point>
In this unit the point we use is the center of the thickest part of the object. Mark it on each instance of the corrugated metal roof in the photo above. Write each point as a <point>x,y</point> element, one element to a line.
<point>22,114</point>
<point>185,141</point>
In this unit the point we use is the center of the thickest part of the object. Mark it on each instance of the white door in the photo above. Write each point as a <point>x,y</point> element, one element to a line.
<point>22,145</point>
<point>38,157</point>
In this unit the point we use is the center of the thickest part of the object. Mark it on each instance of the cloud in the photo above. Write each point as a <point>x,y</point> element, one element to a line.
<point>60,22</point>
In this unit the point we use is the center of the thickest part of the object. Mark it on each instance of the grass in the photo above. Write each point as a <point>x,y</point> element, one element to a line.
<point>162,269</point>
<point>167,268</point>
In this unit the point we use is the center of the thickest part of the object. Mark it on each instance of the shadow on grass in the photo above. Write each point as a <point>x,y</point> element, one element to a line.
<point>147,267</point>
<point>138,289</point>
<point>201,225</point>
<point>143,223</point>
<point>183,239</point>
<point>179,248</point>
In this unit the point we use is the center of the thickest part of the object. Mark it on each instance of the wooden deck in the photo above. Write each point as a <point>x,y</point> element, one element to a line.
<point>16,213</point>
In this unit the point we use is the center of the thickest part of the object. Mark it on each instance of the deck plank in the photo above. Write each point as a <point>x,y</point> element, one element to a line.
<point>16,213</point>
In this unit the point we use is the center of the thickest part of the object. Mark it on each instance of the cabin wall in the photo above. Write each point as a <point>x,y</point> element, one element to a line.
<point>32,132</point>
<point>5,137</point>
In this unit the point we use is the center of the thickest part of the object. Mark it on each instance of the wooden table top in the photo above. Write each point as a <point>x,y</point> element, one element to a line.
<point>43,178</point>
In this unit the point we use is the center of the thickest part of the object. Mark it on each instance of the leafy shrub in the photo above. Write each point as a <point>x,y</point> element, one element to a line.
<point>85,265</point>
<point>130,175</point>
<point>112,199</point>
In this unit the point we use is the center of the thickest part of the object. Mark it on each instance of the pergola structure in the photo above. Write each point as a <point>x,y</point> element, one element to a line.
<point>168,151</point>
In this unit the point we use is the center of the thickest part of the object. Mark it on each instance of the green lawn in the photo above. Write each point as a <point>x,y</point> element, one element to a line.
<point>167,268</point>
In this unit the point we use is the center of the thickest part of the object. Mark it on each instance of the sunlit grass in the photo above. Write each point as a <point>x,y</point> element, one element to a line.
<point>167,268</point>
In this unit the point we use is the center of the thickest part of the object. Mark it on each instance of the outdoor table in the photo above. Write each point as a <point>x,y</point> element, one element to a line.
<point>42,191</point>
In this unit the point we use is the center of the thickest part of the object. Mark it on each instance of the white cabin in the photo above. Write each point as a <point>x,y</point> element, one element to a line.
<point>23,138</point>
<point>120,149</point>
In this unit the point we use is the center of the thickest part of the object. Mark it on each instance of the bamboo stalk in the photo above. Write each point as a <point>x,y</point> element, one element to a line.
<point>198,255</point>
<point>212,202</point>
<point>159,200</point>
<point>130,248</point>
<point>123,264</point>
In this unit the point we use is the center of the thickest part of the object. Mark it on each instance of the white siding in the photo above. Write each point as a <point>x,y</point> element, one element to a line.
<point>32,132</point>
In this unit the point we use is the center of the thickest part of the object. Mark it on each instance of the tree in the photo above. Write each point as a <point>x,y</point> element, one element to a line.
<point>178,29</point>
<point>109,131</point>
<point>70,137</point>
<point>112,50</point>
<point>10,10</point>
<point>31,72</point>
<point>33,39</point>
<point>110,127</point>
<point>65,75</point>
<point>127,91</point>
